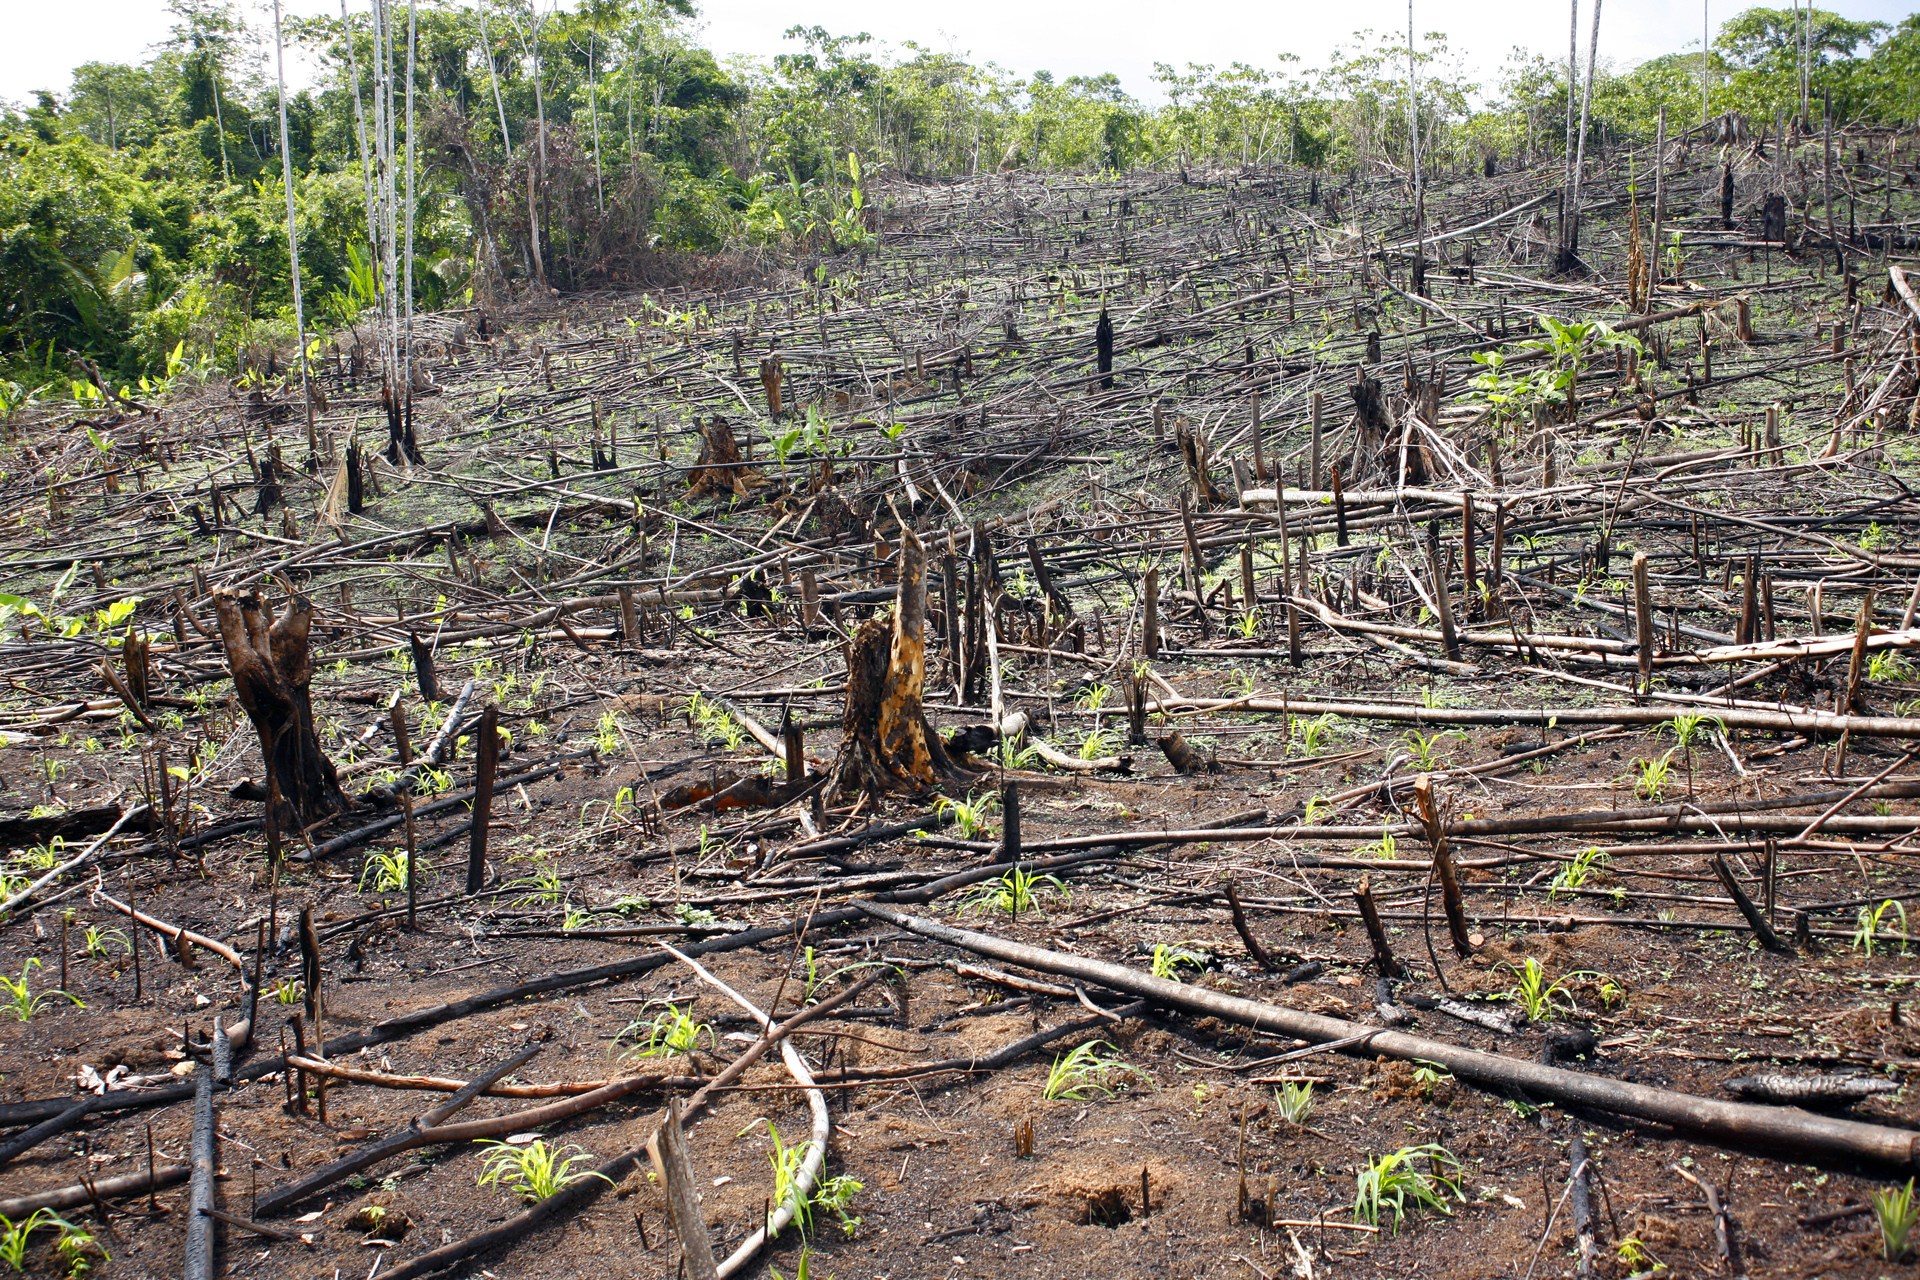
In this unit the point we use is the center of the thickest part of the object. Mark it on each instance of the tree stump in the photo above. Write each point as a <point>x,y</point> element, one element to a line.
<point>720,468</point>
<point>887,744</point>
<point>272,668</point>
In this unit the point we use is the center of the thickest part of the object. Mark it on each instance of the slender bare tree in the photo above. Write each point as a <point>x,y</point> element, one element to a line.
<point>293,235</point>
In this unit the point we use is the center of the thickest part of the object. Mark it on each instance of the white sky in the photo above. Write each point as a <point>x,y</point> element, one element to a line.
<point>43,39</point>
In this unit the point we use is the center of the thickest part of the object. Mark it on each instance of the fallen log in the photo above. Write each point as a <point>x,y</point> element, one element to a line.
<point>1801,722</point>
<point>126,1184</point>
<point>1800,1134</point>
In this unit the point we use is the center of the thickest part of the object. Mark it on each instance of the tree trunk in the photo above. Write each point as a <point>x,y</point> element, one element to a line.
<point>272,667</point>
<point>888,745</point>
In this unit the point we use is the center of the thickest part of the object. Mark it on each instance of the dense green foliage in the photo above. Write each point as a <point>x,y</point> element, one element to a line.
<point>142,212</point>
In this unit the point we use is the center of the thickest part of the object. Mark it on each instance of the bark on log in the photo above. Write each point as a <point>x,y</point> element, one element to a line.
<point>272,668</point>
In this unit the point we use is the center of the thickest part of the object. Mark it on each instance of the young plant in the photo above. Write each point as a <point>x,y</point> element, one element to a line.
<point>1094,698</point>
<point>1574,875</point>
<point>1167,961</point>
<point>1014,892</point>
<point>1099,744</point>
<point>669,1033</point>
<point>970,815</point>
<point>1538,998</point>
<point>536,1170</point>
<point>1422,746</point>
<point>387,871</point>
<point>1687,728</point>
<point>1386,847</point>
<point>1395,1184</point>
<point>99,941</point>
<point>1895,1210</point>
<point>1652,775</point>
<point>1866,933</point>
<point>1312,735</point>
<point>540,887</point>
<point>288,991</point>
<point>1085,1071</point>
<point>787,1162</point>
<point>19,1001</point>
<point>835,1195</point>
<point>1294,1098</point>
<point>76,1248</point>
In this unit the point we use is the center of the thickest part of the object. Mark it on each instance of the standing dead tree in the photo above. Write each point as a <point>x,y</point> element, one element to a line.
<point>272,666</point>
<point>888,744</point>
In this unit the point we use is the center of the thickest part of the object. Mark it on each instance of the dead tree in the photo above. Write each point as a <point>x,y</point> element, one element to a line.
<point>272,667</point>
<point>887,744</point>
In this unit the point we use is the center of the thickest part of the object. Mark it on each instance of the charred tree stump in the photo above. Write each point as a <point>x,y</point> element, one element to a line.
<point>720,468</point>
<point>887,744</point>
<point>1103,349</point>
<point>272,668</point>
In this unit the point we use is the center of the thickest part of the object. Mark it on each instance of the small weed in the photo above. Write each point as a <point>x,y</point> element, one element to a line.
<point>1866,934</point>
<point>835,1195</point>
<point>1294,1098</point>
<point>387,871</point>
<point>1897,1213</point>
<point>99,941</point>
<point>1574,875</point>
<point>1538,998</point>
<point>1085,1071</point>
<point>1395,1184</point>
<point>1168,960</point>
<point>970,815</point>
<point>1651,776</point>
<point>536,1171</point>
<point>1014,892</point>
<point>1632,1254</point>
<point>1428,1076</point>
<point>19,1001</point>
<point>288,991</point>
<point>669,1033</point>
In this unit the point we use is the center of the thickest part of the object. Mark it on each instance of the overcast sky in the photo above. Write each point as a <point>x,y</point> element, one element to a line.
<point>43,39</point>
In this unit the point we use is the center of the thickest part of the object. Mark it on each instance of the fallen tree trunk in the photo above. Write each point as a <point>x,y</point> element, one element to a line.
<point>1801,722</point>
<point>1800,1134</point>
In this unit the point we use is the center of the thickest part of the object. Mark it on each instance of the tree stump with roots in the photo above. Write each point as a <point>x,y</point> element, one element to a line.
<point>888,746</point>
<point>272,668</point>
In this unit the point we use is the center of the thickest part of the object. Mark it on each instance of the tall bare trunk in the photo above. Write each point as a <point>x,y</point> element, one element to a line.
<point>293,236</point>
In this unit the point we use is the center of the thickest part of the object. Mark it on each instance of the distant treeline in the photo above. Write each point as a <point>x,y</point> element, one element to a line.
<point>143,218</point>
